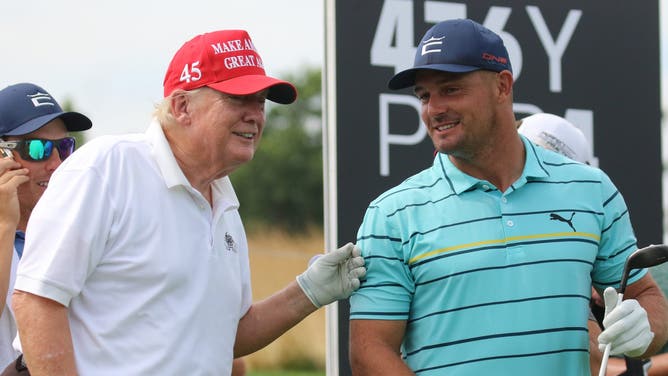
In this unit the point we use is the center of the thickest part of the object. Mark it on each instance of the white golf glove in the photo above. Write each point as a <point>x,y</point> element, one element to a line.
<point>626,326</point>
<point>333,276</point>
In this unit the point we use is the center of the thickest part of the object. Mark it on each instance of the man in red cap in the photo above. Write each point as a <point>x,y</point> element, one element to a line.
<point>144,266</point>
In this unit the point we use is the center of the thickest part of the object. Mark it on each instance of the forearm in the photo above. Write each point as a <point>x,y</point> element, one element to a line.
<point>369,357</point>
<point>595,354</point>
<point>45,335</point>
<point>657,310</point>
<point>270,318</point>
<point>659,365</point>
<point>375,347</point>
<point>6,254</point>
<point>378,361</point>
<point>616,366</point>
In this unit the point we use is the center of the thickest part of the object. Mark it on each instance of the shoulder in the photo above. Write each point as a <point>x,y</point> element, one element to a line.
<point>558,165</point>
<point>103,148</point>
<point>413,188</point>
<point>562,170</point>
<point>103,144</point>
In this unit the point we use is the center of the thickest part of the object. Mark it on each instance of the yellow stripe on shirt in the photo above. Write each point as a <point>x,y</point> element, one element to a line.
<point>502,241</point>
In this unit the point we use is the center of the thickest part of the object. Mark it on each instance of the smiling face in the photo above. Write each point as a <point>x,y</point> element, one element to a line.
<point>39,172</point>
<point>459,110</point>
<point>219,132</point>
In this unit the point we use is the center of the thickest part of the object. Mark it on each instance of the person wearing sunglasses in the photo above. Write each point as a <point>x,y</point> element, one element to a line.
<point>144,267</point>
<point>34,133</point>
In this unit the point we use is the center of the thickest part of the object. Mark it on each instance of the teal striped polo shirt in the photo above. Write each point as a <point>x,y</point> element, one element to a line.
<point>494,282</point>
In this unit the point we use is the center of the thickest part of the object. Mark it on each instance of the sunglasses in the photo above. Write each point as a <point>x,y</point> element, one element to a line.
<point>38,149</point>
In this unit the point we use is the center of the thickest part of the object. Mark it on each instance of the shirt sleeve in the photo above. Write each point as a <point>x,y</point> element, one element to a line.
<point>386,292</point>
<point>65,235</point>
<point>618,240</point>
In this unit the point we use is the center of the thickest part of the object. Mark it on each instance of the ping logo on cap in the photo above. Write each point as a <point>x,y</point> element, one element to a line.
<point>492,58</point>
<point>41,99</point>
<point>432,42</point>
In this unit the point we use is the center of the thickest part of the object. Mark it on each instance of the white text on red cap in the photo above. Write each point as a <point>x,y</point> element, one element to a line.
<point>239,60</point>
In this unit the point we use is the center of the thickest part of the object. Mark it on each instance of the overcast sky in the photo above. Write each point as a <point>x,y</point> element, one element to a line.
<point>110,57</point>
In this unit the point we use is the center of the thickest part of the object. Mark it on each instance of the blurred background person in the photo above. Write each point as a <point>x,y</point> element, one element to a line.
<point>555,133</point>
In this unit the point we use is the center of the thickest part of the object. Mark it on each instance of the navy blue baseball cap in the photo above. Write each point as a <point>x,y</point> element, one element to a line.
<point>459,46</point>
<point>26,107</point>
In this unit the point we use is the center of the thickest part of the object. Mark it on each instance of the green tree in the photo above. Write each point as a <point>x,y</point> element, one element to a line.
<point>282,186</point>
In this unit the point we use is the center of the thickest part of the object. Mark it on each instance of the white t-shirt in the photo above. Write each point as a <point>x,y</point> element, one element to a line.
<point>7,324</point>
<point>155,280</point>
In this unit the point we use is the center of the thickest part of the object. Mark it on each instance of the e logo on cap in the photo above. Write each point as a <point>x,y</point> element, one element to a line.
<point>41,99</point>
<point>430,42</point>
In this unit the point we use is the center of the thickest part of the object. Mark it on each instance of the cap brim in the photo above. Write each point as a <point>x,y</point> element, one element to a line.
<point>406,78</point>
<point>280,91</point>
<point>74,122</point>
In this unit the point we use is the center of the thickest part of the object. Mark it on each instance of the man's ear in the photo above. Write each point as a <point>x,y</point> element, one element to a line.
<point>180,107</point>
<point>505,84</point>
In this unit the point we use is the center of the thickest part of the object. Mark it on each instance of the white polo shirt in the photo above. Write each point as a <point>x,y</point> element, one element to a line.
<point>155,280</point>
<point>7,324</point>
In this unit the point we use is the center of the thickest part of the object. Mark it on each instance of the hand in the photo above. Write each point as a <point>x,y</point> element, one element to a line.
<point>333,276</point>
<point>626,326</point>
<point>11,176</point>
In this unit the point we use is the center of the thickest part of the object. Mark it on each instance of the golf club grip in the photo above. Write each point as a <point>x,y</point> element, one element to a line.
<point>606,353</point>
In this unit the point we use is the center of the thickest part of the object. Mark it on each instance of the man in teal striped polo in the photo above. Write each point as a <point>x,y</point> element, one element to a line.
<point>483,263</point>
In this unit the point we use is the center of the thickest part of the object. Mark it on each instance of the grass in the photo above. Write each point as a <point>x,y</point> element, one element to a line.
<point>276,259</point>
<point>286,373</point>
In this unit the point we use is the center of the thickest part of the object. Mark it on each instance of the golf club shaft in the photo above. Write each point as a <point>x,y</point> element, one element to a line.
<point>606,353</point>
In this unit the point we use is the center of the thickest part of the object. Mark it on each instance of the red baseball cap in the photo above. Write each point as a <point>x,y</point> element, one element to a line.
<point>226,61</point>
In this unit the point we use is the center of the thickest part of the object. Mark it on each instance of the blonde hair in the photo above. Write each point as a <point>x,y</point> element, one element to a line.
<point>163,109</point>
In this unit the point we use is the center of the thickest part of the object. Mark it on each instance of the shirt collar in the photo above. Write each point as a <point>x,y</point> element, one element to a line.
<point>164,157</point>
<point>172,173</point>
<point>461,182</point>
<point>534,167</point>
<point>19,242</point>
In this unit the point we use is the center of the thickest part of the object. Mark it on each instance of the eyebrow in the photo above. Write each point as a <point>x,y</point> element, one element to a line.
<point>448,77</point>
<point>442,79</point>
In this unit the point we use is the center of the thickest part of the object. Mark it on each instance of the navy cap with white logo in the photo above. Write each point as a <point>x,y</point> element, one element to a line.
<point>459,46</point>
<point>26,107</point>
